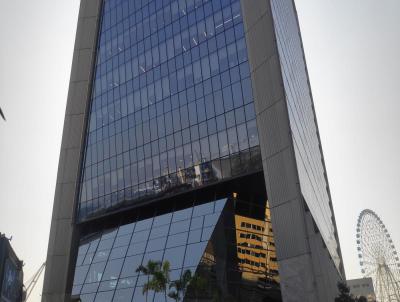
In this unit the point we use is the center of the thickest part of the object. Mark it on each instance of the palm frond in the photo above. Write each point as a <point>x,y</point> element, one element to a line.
<point>153,266</point>
<point>174,295</point>
<point>187,276</point>
<point>142,269</point>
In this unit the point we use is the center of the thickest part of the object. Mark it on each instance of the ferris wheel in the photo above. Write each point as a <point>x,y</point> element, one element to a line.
<point>378,256</point>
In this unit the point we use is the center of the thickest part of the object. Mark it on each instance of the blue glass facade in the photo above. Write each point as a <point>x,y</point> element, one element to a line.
<point>309,159</point>
<point>172,105</point>
<point>11,272</point>
<point>227,243</point>
<point>170,127</point>
<point>107,261</point>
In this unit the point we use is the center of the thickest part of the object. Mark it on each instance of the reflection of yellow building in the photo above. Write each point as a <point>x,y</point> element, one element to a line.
<point>256,248</point>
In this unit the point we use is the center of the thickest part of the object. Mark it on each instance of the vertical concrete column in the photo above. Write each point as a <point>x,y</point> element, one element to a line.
<point>63,235</point>
<point>326,274</point>
<point>279,164</point>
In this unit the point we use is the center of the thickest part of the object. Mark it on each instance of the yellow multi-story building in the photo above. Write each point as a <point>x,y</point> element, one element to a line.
<point>256,249</point>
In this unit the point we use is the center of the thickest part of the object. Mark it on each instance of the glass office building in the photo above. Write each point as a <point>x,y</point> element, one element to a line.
<point>190,138</point>
<point>213,240</point>
<point>172,106</point>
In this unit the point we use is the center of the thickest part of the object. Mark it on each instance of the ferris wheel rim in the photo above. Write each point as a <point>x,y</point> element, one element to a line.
<point>377,254</point>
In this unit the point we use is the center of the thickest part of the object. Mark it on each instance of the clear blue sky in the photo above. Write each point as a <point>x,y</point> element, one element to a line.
<point>352,49</point>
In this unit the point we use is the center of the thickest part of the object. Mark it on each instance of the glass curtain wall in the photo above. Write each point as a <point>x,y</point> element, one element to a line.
<point>313,181</point>
<point>172,105</point>
<point>227,245</point>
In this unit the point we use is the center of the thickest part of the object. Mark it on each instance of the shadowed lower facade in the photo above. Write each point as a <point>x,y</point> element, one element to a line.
<point>190,136</point>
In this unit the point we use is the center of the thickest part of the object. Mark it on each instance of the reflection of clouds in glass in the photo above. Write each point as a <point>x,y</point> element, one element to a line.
<point>178,236</point>
<point>171,95</point>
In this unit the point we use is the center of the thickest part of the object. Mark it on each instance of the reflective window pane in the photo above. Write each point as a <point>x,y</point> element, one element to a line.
<point>197,222</point>
<point>122,240</point>
<point>130,266</point>
<point>105,244</point>
<point>182,248</point>
<point>195,236</point>
<point>162,100</point>
<point>194,253</point>
<point>107,285</point>
<point>203,209</point>
<point>159,231</point>
<point>113,269</point>
<point>156,244</point>
<point>104,297</point>
<point>179,227</point>
<point>127,282</point>
<point>211,220</point>
<point>176,240</point>
<point>80,274</point>
<point>87,298</point>
<point>175,256</point>
<point>140,236</point>
<point>95,272</point>
<point>118,252</point>
<point>162,220</point>
<point>137,248</point>
<point>123,295</point>
<point>90,288</point>
<point>182,215</point>
<point>126,229</point>
<point>143,225</point>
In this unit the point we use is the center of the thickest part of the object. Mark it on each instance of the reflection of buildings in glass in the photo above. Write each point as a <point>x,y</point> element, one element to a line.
<point>11,274</point>
<point>107,260</point>
<point>239,262</point>
<point>11,282</point>
<point>167,110</point>
<point>256,249</point>
<point>202,173</point>
<point>208,258</point>
<point>201,238</point>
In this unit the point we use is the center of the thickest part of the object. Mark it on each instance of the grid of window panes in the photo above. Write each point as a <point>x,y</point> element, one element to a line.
<point>309,158</point>
<point>107,262</point>
<point>172,96</point>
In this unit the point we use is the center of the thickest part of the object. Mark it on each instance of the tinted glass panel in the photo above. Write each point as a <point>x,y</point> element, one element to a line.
<point>169,242</point>
<point>171,93</point>
<point>233,256</point>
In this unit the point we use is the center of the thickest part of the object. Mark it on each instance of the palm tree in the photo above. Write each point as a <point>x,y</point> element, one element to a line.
<point>195,284</point>
<point>180,286</point>
<point>147,270</point>
<point>344,293</point>
<point>159,273</point>
<point>198,285</point>
<point>161,278</point>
